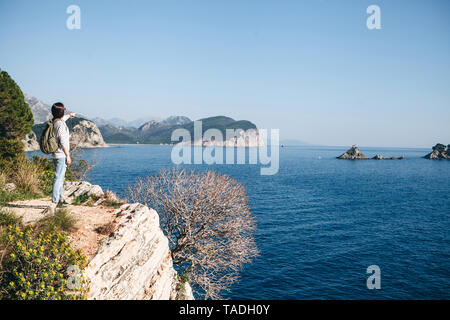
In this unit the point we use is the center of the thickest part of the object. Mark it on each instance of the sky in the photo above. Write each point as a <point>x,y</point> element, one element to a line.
<point>309,68</point>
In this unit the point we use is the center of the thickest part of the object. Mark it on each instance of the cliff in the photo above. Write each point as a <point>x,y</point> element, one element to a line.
<point>439,153</point>
<point>130,261</point>
<point>86,135</point>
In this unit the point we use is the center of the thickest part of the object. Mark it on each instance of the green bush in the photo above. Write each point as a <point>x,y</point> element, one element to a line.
<point>40,266</point>
<point>8,218</point>
<point>82,198</point>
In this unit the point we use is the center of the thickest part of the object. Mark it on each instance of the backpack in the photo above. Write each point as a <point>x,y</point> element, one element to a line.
<point>48,143</point>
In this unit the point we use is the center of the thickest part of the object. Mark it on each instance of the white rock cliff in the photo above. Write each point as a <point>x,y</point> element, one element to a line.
<point>134,262</point>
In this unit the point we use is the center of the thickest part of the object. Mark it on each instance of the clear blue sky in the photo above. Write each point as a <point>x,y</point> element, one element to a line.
<point>310,68</point>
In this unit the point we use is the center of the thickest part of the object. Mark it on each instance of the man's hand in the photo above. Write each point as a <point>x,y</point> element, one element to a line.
<point>73,114</point>
<point>68,160</point>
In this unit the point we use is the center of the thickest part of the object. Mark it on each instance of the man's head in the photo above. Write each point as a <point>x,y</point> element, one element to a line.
<point>58,110</point>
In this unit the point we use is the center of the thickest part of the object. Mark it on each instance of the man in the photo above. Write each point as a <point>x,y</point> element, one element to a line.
<point>61,158</point>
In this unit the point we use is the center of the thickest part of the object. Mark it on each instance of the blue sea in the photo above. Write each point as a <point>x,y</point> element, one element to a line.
<point>323,221</point>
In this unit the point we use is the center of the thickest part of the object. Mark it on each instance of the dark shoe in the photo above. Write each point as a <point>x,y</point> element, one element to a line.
<point>62,204</point>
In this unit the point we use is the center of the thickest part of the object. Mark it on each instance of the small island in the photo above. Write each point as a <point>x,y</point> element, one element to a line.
<point>439,152</point>
<point>354,154</point>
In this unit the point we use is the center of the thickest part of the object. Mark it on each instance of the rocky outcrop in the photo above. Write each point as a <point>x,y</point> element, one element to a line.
<point>86,135</point>
<point>73,189</point>
<point>380,157</point>
<point>30,142</point>
<point>134,262</point>
<point>353,154</point>
<point>439,153</point>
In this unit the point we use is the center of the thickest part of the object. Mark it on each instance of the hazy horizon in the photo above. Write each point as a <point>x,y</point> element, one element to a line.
<point>309,68</point>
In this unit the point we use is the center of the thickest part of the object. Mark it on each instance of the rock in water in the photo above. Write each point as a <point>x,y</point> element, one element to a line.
<point>86,135</point>
<point>353,154</point>
<point>379,157</point>
<point>439,153</point>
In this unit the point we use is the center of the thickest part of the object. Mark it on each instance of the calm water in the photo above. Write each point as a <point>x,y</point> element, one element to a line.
<point>323,221</point>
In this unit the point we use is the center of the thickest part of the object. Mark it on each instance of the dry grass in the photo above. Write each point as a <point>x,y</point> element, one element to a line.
<point>111,199</point>
<point>26,177</point>
<point>106,229</point>
<point>3,179</point>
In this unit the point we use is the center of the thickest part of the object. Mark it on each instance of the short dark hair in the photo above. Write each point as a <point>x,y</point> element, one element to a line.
<point>58,110</point>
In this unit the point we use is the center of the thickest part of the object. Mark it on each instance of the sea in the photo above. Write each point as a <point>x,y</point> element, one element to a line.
<point>322,221</point>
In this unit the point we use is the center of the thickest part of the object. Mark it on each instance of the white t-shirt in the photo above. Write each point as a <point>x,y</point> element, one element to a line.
<point>61,132</point>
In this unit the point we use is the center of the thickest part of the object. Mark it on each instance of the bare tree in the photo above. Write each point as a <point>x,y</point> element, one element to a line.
<point>207,219</point>
<point>79,168</point>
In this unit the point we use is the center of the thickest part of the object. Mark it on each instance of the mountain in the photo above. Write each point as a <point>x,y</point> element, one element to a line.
<point>41,111</point>
<point>154,132</point>
<point>176,120</point>
<point>117,122</point>
<point>112,134</point>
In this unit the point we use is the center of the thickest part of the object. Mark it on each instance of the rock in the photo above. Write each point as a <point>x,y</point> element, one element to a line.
<point>135,262</point>
<point>378,157</point>
<point>78,188</point>
<point>439,153</point>
<point>30,142</point>
<point>353,154</point>
<point>9,187</point>
<point>87,135</point>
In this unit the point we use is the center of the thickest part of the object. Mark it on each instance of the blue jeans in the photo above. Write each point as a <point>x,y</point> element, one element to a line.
<point>58,182</point>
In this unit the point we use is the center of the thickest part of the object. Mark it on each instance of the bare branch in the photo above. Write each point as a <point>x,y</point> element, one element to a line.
<point>207,218</point>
